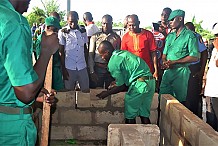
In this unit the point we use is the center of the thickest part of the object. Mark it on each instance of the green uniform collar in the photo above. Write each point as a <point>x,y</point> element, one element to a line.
<point>7,4</point>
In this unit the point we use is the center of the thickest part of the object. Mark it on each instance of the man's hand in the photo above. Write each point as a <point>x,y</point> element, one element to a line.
<point>49,98</point>
<point>155,75</point>
<point>94,77</point>
<point>49,43</point>
<point>113,84</point>
<point>103,94</point>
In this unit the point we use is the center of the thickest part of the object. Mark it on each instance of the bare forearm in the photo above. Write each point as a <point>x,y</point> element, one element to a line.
<point>204,56</point>
<point>187,59</point>
<point>116,89</point>
<point>154,58</point>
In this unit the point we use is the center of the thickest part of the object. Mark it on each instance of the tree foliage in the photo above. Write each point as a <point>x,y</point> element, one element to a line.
<point>38,15</point>
<point>199,29</point>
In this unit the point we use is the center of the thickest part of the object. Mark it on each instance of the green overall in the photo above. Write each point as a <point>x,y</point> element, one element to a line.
<point>15,70</point>
<point>57,80</point>
<point>175,80</point>
<point>126,68</point>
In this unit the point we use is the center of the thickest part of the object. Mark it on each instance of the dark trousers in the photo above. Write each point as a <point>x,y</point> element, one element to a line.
<point>104,78</point>
<point>194,98</point>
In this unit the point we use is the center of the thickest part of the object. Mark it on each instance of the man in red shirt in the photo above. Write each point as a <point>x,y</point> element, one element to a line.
<point>140,42</point>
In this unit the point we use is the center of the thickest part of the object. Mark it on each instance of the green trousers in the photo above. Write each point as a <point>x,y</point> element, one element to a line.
<point>138,99</point>
<point>17,130</point>
<point>175,82</point>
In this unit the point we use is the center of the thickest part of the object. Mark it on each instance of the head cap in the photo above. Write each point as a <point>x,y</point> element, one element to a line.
<point>52,21</point>
<point>176,13</point>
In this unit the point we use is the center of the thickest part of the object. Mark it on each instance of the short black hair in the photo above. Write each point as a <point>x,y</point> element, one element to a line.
<point>108,17</point>
<point>88,16</point>
<point>73,13</point>
<point>107,46</point>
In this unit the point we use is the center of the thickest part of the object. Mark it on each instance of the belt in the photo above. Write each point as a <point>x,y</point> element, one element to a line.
<point>143,78</point>
<point>15,110</point>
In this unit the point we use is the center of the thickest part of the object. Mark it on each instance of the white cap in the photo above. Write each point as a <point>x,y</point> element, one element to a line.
<point>215,29</point>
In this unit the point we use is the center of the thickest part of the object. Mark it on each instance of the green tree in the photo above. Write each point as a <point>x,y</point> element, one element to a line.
<point>199,29</point>
<point>51,6</point>
<point>36,16</point>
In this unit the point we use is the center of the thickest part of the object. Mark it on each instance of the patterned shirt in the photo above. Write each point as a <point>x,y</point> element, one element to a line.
<point>95,40</point>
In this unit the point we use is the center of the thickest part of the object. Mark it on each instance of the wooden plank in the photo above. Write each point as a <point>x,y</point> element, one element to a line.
<point>46,107</point>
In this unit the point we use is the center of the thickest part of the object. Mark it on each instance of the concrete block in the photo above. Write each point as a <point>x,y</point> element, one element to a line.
<point>176,139</point>
<point>117,100</point>
<point>175,114</point>
<point>131,137</point>
<point>54,117</point>
<point>154,104</point>
<point>153,116</point>
<point>166,127</point>
<point>135,134</point>
<point>62,132</point>
<point>114,136</point>
<point>66,99</point>
<point>165,100</point>
<point>109,117</point>
<point>95,101</point>
<point>75,117</point>
<point>208,138</point>
<point>83,99</point>
<point>92,133</point>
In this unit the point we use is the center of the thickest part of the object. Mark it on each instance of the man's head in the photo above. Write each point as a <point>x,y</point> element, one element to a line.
<point>72,19</point>
<point>190,25</point>
<point>52,24</point>
<point>176,19</point>
<point>56,15</point>
<point>105,49</point>
<point>107,22</point>
<point>87,17</point>
<point>165,14</point>
<point>215,29</point>
<point>125,22</point>
<point>133,23</point>
<point>20,6</point>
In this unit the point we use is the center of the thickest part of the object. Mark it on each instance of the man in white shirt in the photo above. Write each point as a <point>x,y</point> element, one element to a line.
<point>72,39</point>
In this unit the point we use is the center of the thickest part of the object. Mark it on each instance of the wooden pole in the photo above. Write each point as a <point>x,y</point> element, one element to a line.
<point>46,106</point>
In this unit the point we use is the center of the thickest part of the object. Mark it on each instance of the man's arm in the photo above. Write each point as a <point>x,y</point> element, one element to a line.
<point>187,59</point>
<point>154,59</point>
<point>113,90</point>
<point>204,56</point>
<point>27,93</point>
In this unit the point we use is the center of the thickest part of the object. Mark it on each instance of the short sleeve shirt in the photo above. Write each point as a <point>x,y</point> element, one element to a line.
<point>73,43</point>
<point>178,47</point>
<point>15,54</point>
<point>140,44</point>
<point>125,67</point>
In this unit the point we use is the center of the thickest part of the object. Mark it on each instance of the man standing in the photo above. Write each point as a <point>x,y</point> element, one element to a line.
<point>131,71</point>
<point>180,50</point>
<point>20,82</point>
<point>194,97</point>
<point>97,66</point>
<point>72,39</point>
<point>141,43</point>
<point>91,29</point>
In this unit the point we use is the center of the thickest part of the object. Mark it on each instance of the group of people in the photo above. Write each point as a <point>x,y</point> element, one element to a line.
<point>170,59</point>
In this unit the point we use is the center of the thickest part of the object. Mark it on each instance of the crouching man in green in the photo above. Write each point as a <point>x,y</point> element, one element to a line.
<point>180,50</point>
<point>129,71</point>
<point>20,82</point>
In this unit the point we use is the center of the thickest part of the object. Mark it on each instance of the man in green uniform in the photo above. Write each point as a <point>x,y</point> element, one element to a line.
<point>180,50</point>
<point>20,82</point>
<point>52,25</point>
<point>129,71</point>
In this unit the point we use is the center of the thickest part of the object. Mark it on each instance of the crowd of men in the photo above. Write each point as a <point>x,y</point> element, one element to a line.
<point>169,59</point>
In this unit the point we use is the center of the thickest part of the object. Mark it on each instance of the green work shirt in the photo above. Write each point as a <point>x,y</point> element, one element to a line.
<point>125,67</point>
<point>16,67</point>
<point>178,47</point>
<point>56,56</point>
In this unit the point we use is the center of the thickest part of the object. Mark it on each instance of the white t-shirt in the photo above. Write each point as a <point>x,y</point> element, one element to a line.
<point>211,89</point>
<point>91,29</point>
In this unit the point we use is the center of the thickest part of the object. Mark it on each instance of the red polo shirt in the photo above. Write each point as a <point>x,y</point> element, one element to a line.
<point>140,44</point>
